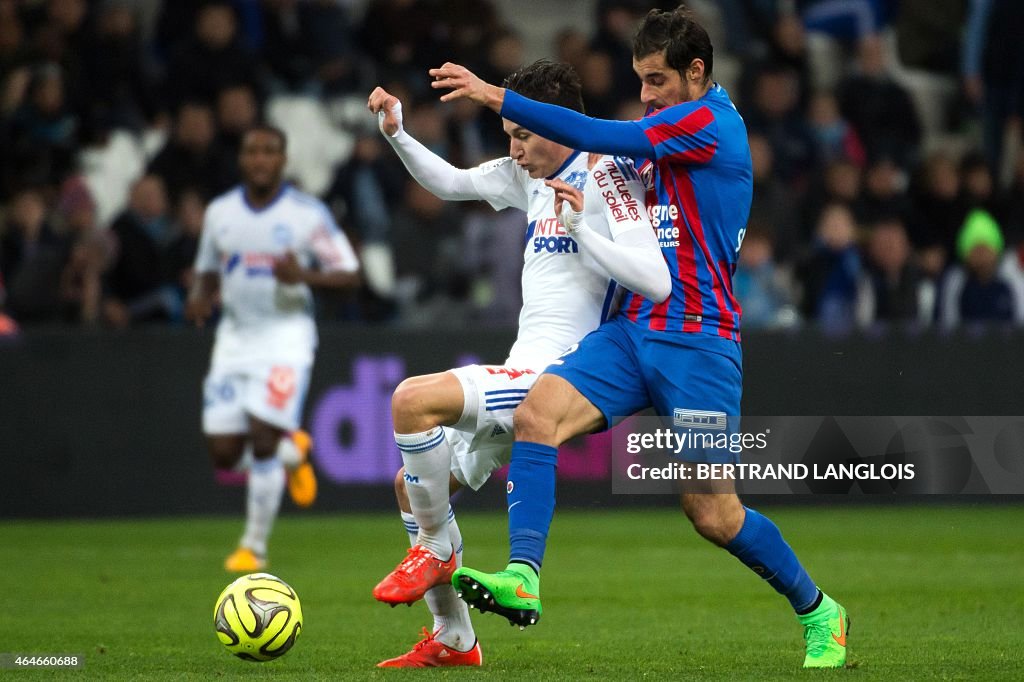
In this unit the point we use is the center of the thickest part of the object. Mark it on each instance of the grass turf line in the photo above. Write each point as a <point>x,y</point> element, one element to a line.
<point>933,593</point>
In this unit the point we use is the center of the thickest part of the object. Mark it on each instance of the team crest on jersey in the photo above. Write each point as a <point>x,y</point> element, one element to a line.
<point>577,179</point>
<point>282,235</point>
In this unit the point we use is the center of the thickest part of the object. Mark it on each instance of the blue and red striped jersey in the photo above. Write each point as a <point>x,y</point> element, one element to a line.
<point>700,184</point>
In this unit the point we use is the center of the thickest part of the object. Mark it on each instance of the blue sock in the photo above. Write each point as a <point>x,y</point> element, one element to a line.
<point>531,501</point>
<point>760,546</point>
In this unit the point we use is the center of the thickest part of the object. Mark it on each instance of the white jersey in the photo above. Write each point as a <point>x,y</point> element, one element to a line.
<point>566,294</point>
<point>263,319</point>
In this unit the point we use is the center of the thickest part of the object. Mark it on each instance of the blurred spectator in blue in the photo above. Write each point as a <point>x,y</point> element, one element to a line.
<point>32,256</point>
<point>993,69</point>
<point>41,134</point>
<point>847,20</point>
<point>976,291</point>
<point>192,157</point>
<point>885,192</point>
<point>760,286</point>
<point>834,137</point>
<point>209,59</point>
<point>309,45</point>
<point>938,212</point>
<point>892,288</point>
<point>775,113</point>
<point>831,274</point>
<point>774,207</point>
<point>878,108</point>
<point>137,286</point>
<point>121,89</point>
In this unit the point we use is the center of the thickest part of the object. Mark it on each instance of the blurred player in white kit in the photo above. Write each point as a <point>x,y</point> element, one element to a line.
<point>454,428</point>
<point>259,245</point>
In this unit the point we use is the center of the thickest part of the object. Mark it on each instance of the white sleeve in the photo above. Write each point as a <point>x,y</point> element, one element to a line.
<point>493,182</point>
<point>331,247</point>
<point>633,256</point>
<point>207,256</point>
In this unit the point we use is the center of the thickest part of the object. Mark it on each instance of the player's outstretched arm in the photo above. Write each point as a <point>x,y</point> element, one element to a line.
<point>199,305</point>
<point>564,126</point>
<point>287,270</point>
<point>634,258</point>
<point>436,175</point>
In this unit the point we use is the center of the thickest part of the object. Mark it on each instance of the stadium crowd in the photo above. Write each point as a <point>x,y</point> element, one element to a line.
<point>889,183</point>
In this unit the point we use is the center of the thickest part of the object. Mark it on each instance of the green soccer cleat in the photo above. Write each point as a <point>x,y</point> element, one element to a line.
<point>513,593</point>
<point>825,630</point>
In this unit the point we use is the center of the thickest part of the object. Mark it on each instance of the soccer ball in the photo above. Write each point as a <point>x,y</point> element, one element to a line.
<point>258,617</point>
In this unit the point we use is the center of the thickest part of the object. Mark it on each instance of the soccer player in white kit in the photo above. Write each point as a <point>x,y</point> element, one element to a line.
<point>454,428</point>
<point>260,243</point>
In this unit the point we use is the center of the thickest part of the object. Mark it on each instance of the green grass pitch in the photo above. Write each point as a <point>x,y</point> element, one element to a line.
<point>933,593</point>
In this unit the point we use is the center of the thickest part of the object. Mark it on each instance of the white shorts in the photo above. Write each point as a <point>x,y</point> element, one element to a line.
<point>271,392</point>
<point>482,438</point>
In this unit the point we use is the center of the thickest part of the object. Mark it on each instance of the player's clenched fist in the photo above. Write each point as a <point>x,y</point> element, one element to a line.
<point>464,83</point>
<point>388,109</point>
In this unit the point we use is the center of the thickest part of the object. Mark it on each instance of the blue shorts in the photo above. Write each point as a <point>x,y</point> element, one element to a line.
<point>692,380</point>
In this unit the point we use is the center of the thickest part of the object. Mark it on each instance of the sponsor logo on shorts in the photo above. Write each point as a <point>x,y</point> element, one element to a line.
<point>509,487</point>
<point>699,419</point>
<point>281,386</point>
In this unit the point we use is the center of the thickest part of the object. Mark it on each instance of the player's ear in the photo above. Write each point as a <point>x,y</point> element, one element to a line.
<point>695,72</point>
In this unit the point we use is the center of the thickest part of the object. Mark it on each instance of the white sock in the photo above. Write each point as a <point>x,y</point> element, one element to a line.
<point>428,462</point>
<point>288,452</point>
<point>245,461</point>
<point>451,615</point>
<point>266,485</point>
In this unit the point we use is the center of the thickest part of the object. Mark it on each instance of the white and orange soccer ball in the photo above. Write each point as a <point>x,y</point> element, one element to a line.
<point>258,617</point>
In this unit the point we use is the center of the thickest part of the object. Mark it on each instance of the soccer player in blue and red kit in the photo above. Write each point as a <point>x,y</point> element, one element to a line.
<point>679,355</point>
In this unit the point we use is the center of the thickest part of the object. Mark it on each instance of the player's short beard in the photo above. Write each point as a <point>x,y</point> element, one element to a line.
<point>264,191</point>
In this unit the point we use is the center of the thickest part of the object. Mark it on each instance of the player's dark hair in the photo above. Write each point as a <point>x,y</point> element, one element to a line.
<point>678,35</point>
<point>549,82</point>
<point>267,128</point>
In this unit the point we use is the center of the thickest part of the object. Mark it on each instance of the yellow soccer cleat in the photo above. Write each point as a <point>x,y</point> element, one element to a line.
<point>302,479</point>
<point>244,560</point>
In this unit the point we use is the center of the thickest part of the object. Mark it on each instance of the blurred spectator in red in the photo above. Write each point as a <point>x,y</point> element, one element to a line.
<point>210,59</point>
<point>834,137</point>
<point>892,288</point>
<point>32,256</point>
<point>137,285</point>
<point>878,108</point>
<point>993,69</point>
<point>831,273</point>
<point>976,292</point>
<point>192,158</point>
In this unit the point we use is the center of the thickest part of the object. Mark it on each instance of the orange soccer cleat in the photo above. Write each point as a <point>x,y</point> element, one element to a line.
<point>430,653</point>
<point>418,572</point>
<point>244,560</point>
<point>302,479</point>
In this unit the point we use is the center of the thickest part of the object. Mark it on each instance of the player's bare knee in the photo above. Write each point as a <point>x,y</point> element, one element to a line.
<point>224,453</point>
<point>531,423</point>
<point>410,405</point>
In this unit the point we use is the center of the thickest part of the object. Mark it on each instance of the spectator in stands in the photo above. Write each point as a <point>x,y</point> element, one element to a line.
<point>191,158</point>
<point>237,110</point>
<point>81,280</point>
<point>976,292</point>
<point>878,108</point>
<point>776,114</point>
<point>210,59</point>
<point>42,133</point>
<point>993,69</point>
<point>938,212</point>
<point>187,228</point>
<point>32,256</point>
<point>310,45</point>
<point>840,183</point>
<point>831,274</point>
<point>137,284</point>
<point>892,288</point>
<point>978,186</point>
<point>773,207</point>
<point>122,93</point>
<point>885,192</point>
<point>835,139</point>
<point>760,286</point>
